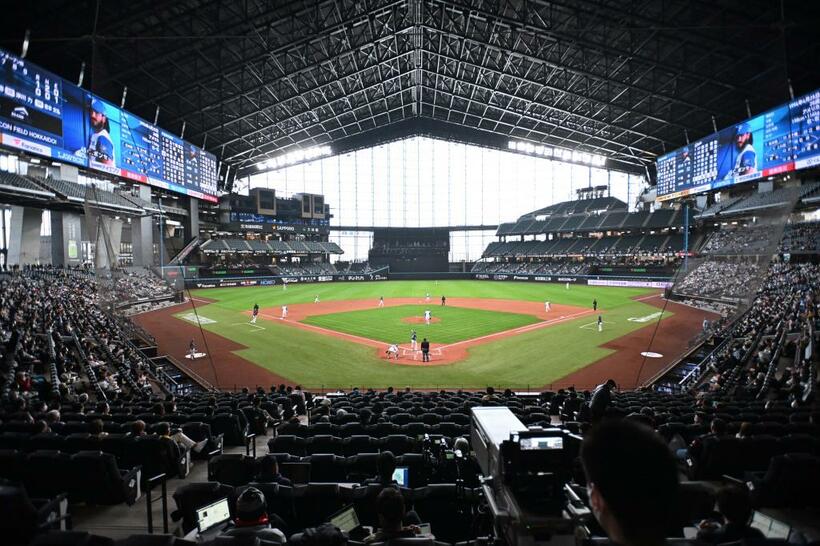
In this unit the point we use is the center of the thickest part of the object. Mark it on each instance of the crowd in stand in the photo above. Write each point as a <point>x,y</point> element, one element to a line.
<point>545,267</point>
<point>722,279</point>
<point>801,237</point>
<point>744,240</point>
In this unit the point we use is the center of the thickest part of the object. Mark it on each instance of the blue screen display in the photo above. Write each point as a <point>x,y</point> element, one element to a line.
<point>784,139</point>
<point>43,114</point>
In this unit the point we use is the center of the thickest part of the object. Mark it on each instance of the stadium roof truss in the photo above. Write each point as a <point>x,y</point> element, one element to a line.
<point>254,79</point>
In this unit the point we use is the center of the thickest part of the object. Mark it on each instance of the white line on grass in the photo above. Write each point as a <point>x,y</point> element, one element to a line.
<point>585,326</point>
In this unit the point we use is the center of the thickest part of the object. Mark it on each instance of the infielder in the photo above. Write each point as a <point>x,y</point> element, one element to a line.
<point>284,312</point>
<point>381,301</point>
<point>316,299</point>
<point>255,313</point>
<point>546,307</point>
<point>413,339</point>
<point>427,297</point>
<point>600,323</point>
<point>427,316</point>
<point>392,351</point>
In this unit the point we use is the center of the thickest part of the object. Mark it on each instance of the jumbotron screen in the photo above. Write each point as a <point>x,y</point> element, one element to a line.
<point>786,138</point>
<point>43,114</point>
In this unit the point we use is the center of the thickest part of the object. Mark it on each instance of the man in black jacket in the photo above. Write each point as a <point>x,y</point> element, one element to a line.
<point>425,350</point>
<point>601,399</point>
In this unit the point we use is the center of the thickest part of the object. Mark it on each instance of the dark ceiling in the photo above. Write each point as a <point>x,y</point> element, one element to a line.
<point>253,79</point>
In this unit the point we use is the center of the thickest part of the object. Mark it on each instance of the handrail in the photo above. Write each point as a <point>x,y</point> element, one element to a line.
<point>149,502</point>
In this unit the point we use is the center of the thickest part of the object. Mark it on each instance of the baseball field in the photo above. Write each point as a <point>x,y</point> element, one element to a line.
<point>488,333</point>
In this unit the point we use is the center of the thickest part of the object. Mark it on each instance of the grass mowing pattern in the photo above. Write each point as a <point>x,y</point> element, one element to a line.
<point>457,323</point>
<point>530,360</point>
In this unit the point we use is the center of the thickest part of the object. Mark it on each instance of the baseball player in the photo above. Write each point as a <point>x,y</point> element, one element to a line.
<point>567,286</point>
<point>255,313</point>
<point>427,297</point>
<point>284,312</point>
<point>413,339</point>
<point>600,323</point>
<point>381,301</point>
<point>192,350</point>
<point>316,299</point>
<point>546,307</point>
<point>392,351</point>
<point>427,316</point>
<point>594,304</point>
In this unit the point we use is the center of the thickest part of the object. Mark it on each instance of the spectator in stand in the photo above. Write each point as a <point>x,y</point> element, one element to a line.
<point>735,507</point>
<point>391,511</point>
<point>601,399</point>
<point>632,482</point>
<point>272,475</point>
<point>95,428</point>
<point>253,523</point>
<point>183,441</point>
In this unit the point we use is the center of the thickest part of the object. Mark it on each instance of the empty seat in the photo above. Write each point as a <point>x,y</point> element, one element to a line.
<point>398,444</point>
<point>791,480</point>
<point>98,479</point>
<point>359,444</point>
<point>324,444</point>
<point>292,445</point>
<point>325,467</point>
<point>361,467</point>
<point>233,469</point>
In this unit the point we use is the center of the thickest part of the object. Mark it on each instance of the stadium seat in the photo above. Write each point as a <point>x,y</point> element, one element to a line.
<point>324,444</point>
<point>292,445</point>
<point>191,496</point>
<point>315,503</point>
<point>792,480</point>
<point>98,480</point>
<point>325,467</point>
<point>447,508</point>
<point>398,444</point>
<point>359,444</point>
<point>22,517</point>
<point>232,469</point>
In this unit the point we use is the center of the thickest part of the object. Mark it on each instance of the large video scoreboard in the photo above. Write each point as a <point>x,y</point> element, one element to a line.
<point>784,139</point>
<point>43,114</point>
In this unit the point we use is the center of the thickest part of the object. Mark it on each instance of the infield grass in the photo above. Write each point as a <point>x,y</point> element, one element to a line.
<point>532,359</point>
<point>456,323</point>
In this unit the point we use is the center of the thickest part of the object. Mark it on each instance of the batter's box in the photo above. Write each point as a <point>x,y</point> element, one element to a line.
<point>417,353</point>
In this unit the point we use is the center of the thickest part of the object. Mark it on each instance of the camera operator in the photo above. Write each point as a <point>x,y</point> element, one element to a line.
<point>467,467</point>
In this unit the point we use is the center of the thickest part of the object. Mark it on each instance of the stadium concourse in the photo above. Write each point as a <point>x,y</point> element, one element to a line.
<point>410,273</point>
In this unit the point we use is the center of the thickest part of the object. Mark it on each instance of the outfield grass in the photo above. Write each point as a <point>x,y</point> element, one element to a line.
<point>532,359</point>
<point>457,323</point>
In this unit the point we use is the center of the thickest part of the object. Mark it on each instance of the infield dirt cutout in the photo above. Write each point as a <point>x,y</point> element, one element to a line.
<point>440,354</point>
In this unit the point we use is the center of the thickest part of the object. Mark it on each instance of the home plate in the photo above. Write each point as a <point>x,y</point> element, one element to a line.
<point>650,354</point>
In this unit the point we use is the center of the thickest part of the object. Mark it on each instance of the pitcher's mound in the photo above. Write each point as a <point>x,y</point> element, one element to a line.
<point>419,320</point>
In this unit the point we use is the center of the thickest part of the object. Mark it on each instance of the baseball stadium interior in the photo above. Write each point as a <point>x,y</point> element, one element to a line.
<point>410,272</point>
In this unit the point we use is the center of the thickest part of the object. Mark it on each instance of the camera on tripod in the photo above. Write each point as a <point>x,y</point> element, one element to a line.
<point>527,476</point>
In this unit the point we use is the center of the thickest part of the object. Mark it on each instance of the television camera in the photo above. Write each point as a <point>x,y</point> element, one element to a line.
<point>527,478</point>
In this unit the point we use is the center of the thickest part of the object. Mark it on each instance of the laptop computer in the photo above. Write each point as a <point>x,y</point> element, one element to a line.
<point>345,519</point>
<point>212,515</point>
<point>402,475</point>
<point>296,472</point>
<point>770,527</point>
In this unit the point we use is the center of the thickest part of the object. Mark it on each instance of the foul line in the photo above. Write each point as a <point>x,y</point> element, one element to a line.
<point>595,324</point>
<point>307,326</point>
<point>520,330</point>
<point>248,324</point>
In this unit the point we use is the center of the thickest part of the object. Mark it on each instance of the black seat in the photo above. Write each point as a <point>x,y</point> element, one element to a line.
<point>98,479</point>
<point>361,467</point>
<point>47,473</point>
<point>230,426</point>
<point>233,469</point>
<point>359,444</point>
<point>324,444</point>
<point>326,467</point>
<point>315,503</point>
<point>287,444</point>
<point>22,517</point>
<point>398,444</point>
<point>792,480</point>
<point>191,496</point>
<point>446,507</point>
<point>45,440</point>
<point>12,463</point>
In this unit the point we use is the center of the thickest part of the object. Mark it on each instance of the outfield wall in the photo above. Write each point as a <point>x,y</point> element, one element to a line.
<point>384,275</point>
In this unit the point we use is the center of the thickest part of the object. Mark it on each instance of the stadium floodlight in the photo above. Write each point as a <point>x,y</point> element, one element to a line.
<point>296,156</point>
<point>558,153</point>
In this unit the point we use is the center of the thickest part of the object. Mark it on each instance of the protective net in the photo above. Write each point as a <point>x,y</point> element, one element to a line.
<point>722,280</point>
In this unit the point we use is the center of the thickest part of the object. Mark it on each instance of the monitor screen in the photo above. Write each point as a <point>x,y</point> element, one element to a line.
<point>400,475</point>
<point>541,442</point>
<point>212,515</point>
<point>770,527</point>
<point>346,519</point>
